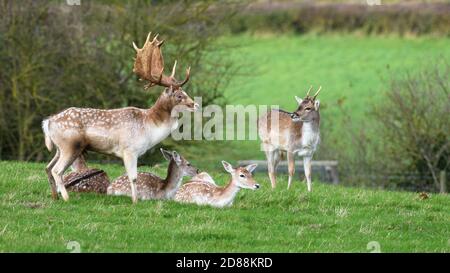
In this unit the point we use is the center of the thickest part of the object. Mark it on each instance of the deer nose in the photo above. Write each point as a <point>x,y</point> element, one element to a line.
<point>257,186</point>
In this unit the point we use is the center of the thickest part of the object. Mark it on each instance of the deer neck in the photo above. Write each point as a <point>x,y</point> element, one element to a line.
<point>173,179</point>
<point>160,112</point>
<point>312,125</point>
<point>229,192</point>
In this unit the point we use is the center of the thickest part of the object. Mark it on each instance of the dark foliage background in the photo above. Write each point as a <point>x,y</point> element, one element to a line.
<point>403,18</point>
<point>409,146</point>
<point>55,56</point>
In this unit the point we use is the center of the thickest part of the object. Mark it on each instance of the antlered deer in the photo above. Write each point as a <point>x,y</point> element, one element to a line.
<point>202,190</point>
<point>150,186</point>
<point>296,132</point>
<point>126,132</point>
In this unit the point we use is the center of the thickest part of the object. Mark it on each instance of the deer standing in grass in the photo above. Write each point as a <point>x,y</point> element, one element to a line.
<point>296,133</point>
<point>204,191</point>
<point>126,132</point>
<point>150,186</point>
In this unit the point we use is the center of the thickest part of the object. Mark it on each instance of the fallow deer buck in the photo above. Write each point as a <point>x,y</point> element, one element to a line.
<point>202,190</point>
<point>150,186</point>
<point>126,132</point>
<point>296,133</point>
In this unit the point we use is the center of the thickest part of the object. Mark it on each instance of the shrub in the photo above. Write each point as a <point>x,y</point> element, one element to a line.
<point>55,56</point>
<point>401,18</point>
<point>409,144</point>
<point>413,124</point>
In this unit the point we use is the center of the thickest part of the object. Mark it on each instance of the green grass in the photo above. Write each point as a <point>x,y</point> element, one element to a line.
<point>331,219</point>
<point>352,69</point>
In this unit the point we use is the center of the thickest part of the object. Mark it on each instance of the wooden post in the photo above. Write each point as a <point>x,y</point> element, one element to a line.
<point>443,180</point>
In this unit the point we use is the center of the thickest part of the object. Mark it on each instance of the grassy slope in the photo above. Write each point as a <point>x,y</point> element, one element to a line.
<point>347,66</point>
<point>330,219</point>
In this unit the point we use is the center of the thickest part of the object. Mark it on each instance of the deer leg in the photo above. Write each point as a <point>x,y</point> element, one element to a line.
<point>307,167</point>
<point>66,158</point>
<point>79,164</point>
<point>272,162</point>
<point>130,162</point>
<point>51,180</point>
<point>291,167</point>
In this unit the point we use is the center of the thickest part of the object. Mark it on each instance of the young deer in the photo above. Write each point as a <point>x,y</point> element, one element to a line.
<point>126,132</point>
<point>203,191</point>
<point>88,180</point>
<point>150,186</point>
<point>296,132</point>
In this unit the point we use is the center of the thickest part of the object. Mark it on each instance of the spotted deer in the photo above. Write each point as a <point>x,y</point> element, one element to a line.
<point>296,133</point>
<point>126,132</point>
<point>150,186</point>
<point>202,190</point>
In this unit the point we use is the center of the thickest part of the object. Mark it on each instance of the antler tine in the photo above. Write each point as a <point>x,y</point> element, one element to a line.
<point>148,37</point>
<point>307,94</point>
<point>160,43</point>
<point>135,47</point>
<point>317,93</point>
<point>154,39</point>
<point>174,69</point>
<point>188,74</point>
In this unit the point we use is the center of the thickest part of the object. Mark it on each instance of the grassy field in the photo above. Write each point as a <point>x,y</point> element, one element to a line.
<point>353,70</point>
<point>331,219</point>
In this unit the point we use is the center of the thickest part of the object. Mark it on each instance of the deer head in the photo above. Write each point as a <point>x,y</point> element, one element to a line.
<point>149,66</point>
<point>308,108</point>
<point>242,176</point>
<point>184,166</point>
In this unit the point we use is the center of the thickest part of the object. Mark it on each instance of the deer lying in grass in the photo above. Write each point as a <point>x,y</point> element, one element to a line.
<point>150,186</point>
<point>126,132</point>
<point>202,190</point>
<point>84,179</point>
<point>297,133</point>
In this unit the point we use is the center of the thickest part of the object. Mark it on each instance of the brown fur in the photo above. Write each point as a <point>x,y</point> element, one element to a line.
<point>87,180</point>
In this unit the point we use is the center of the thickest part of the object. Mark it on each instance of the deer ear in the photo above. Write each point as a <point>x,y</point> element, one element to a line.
<point>251,167</point>
<point>227,166</point>
<point>168,90</point>
<point>176,157</point>
<point>299,100</point>
<point>167,155</point>
<point>316,105</point>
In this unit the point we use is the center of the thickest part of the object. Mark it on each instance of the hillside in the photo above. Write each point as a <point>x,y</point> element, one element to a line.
<point>331,219</point>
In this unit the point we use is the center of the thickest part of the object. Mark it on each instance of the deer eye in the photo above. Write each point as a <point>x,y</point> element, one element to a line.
<point>179,97</point>
<point>241,175</point>
<point>308,108</point>
<point>189,164</point>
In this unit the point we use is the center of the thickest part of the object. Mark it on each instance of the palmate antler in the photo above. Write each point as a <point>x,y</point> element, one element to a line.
<point>149,65</point>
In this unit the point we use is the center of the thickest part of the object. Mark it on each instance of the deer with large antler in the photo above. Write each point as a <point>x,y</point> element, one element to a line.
<point>295,133</point>
<point>126,132</point>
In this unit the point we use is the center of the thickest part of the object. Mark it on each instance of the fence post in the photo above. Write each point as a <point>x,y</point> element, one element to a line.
<point>443,180</point>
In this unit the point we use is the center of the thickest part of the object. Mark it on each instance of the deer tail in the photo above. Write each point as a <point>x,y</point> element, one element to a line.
<point>48,140</point>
